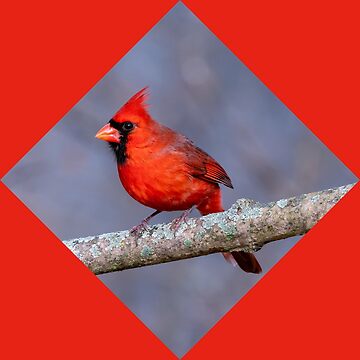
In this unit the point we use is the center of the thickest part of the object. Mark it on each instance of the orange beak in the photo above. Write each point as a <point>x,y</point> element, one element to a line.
<point>108,133</point>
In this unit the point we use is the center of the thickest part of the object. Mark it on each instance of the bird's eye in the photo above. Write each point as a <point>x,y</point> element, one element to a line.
<point>127,126</point>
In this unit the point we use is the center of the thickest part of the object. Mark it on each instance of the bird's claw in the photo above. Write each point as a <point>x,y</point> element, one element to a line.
<point>176,223</point>
<point>138,229</point>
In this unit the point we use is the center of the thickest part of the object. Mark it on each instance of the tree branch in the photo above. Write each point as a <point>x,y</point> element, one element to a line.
<point>247,226</point>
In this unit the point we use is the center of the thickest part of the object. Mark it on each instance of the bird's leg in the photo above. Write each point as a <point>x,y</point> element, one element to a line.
<point>136,230</point>
<point>183,217</point>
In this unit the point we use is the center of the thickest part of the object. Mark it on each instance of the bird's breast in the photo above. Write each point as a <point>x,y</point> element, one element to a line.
<point>162,181</point>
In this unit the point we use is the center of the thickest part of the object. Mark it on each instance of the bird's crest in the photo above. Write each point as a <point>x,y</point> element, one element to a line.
<point>135,106</point>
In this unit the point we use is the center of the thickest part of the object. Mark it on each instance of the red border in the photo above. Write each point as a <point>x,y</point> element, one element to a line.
<point>306,53</point>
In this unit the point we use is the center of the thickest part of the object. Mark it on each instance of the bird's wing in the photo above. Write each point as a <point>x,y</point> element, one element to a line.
<point>203,166</point>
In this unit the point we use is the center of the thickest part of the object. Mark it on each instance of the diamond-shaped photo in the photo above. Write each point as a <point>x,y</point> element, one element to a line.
<point>243,143</point>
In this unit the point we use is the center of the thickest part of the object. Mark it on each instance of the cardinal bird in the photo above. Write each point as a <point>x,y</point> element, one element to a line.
<point>164,170</point>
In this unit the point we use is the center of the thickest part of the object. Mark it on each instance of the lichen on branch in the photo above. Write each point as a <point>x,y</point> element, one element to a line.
<point>247,226</point>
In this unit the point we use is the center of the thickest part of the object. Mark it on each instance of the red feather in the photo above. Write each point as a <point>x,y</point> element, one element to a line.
<point>136,105</point>
<point>206,168</point>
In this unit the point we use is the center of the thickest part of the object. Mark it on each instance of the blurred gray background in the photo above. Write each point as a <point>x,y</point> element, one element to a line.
<point>198,87</point>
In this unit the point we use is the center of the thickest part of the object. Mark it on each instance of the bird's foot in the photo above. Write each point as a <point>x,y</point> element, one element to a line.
<point>144,225</point>
<point>138,229</point>
<point>176,223</point>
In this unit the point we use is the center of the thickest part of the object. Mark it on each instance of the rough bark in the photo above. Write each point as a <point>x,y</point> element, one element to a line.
<point>246,226</point>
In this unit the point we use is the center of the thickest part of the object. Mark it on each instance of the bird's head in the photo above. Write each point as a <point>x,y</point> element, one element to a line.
<point>131,117</point>
<point>132,124</point>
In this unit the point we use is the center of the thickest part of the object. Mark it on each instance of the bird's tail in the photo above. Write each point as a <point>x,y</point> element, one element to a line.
<point>246,261</point>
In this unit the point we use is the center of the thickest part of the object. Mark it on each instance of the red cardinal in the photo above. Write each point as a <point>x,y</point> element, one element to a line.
<point>164,170</point>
